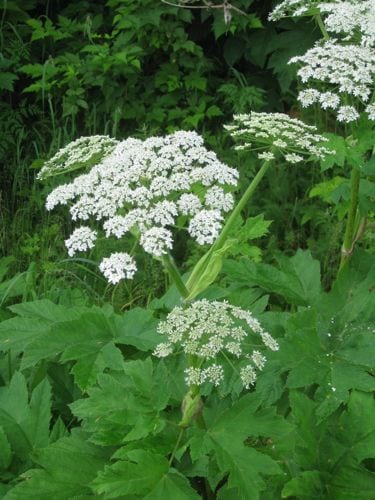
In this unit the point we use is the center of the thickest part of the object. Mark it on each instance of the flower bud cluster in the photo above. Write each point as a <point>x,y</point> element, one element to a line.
<point>209,330</point>
<point>340,77</point>
<point>143,187</point>
<point>82,152</point>
<point>279,134</point>
<point>292,8</point>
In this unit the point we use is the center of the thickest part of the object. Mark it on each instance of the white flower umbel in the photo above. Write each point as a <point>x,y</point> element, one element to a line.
<point>82,239</point>
<point>354,20</point>
<point>157,241</point>
<point>339,77</point>
<point>210,332</point>
<point>205,226</point>
<point>278,134</point>
<point>82,152</point>
<point>292,8</point>
<point>144,187</point>
<point>118,266</point>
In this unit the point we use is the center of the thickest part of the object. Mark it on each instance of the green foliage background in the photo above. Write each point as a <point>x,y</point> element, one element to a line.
<point>78,384</point>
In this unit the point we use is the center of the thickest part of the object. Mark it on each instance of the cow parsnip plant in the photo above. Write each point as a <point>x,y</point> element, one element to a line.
<point>245,379</point>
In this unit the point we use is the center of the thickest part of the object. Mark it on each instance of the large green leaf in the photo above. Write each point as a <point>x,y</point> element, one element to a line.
<point>329,458</point>
<point>137,328</point>
<point>297,280</point>
<point>136,476</point>
<point>25,424</point>
<point>143,474</point>
<point>355,433</point>
<point>310,355</point>
<point>43,330</point>
<point>67,468</point>
<point>307,485</point>
<point>125,405</point>
<point>226,437</point>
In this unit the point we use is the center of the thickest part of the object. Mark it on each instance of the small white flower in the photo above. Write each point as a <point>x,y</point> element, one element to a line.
<point>248,376</point>
<point>156,241</point>
<point>217,199</point>
<point>269,341</point>
<point>189,204</point>
<point>293,158</point>
<point>118,266</point>
<point>193,376</point>
<point>82,239</point>
<point>266,155</point>
<point>163,350</point>
<point>329,100</point>
<point>278,143</point>
<point>205,226</point>
<point>308,97</point>
<point>60,196</point>
<point>213,374</point>
<point>347,114</point>
<point>258,359</point>
<point>164,213</point>
<point>234,348</point>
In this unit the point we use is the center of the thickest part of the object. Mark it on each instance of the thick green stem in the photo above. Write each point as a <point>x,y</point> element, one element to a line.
<point>240,206</point>
<point>350,230</point>
<point>209,265</point>
<point>176,446</point>
<point>174,273</point>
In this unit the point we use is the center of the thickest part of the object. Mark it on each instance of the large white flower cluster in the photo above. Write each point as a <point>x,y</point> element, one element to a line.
<point>352,19</point>
<point>340,77</point>
<point>279,134</point>
<point>80,153</point>
<point>210,331</point>
<point>144,186</point>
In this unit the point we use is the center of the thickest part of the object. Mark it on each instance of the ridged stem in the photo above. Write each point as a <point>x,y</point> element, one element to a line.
<point>175,275</point>
<point>350,230</point>
<point>241,205</point>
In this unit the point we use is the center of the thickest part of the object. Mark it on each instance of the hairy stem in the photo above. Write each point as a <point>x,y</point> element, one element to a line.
<point>350,230</point>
